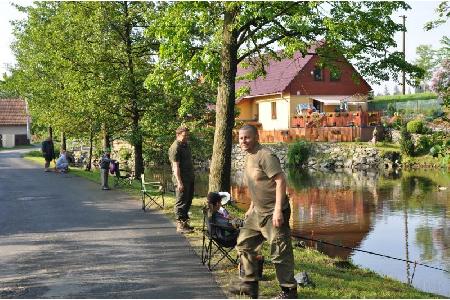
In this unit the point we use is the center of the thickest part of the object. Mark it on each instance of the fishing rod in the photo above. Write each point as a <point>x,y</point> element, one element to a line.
<point>373,253</point>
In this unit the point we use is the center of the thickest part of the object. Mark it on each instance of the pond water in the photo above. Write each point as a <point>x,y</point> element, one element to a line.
<point>406,216</point>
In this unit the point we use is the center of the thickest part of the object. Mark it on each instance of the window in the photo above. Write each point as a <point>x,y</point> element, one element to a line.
<point>274,110</point>
<point>317,74</point>
<point>335,75</point>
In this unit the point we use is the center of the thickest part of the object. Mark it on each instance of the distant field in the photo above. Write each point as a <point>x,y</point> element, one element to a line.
<point>404,98</point>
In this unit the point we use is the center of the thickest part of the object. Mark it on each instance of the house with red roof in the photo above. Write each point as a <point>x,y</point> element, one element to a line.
<point>15,123</point>
<point>294,86</point>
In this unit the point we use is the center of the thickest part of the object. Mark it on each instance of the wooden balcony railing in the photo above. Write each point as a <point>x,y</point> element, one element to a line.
<point>337,119</point>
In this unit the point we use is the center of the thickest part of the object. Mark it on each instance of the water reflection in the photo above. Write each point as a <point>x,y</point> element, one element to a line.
<point>400,215</point>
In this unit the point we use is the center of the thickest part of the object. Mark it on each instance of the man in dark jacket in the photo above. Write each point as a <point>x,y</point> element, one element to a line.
<point>48,152</point>
<point>104,168</point>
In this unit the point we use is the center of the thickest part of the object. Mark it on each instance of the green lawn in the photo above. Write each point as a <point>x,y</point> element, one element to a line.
<point>333,278</point>
<point>404,98</point>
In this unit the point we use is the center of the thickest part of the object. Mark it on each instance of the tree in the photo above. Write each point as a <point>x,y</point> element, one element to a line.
<point>211,38</point>
<point>440,83</point>
<point>443,12</point>
<point>425,59</point>
<point>83,65</point>
<point>443,52</point>
<point>396,90</point>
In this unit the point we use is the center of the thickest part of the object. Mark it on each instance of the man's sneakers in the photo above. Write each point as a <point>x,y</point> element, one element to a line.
<point>287,293</point>
<point>183,227</point>
<point>247,288</point>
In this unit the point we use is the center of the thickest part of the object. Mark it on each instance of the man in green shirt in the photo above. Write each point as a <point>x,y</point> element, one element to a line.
<point>183,178</point>
<point>266,219</point>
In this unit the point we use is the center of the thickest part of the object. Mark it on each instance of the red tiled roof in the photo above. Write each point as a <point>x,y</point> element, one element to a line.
<point>279,75</point>
<point>13,112</point>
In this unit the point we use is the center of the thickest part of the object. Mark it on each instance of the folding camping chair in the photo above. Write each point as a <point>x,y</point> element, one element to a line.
<point>151,193</point>
<point>123,176</point>
<point>213,245</point>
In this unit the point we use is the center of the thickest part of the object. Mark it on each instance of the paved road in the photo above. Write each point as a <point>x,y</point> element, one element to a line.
<point>62,237</point>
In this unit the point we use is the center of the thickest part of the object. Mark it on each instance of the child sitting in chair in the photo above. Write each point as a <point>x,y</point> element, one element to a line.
<point>62,164</point>
<point>220,217</point>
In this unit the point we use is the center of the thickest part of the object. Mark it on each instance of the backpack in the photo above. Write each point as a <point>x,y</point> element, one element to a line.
<point>113,166</point>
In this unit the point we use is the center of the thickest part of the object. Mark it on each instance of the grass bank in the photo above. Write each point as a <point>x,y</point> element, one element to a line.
<point>423,161</point>
<point>333,277</point>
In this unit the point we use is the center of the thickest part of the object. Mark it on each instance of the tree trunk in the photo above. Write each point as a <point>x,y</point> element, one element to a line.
<point>136,134</point>
<point>63,141</point>
<point>138,159</point>
<point>220,171</point>
<point>91,141</point>
<point>106,138</point>
<point>50,132</point>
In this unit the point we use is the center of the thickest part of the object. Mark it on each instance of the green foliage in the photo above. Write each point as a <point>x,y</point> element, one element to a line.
<point>82,65</point>
<point>423,145</point>
<point>202,139</point>
<point>443,12</point>
<point>211,38</point>
<point>298,153</point>
<point>125,154</point>
<point>416,126</point>
<point>406,143</point>
<point>391,109</point>
<point>425,59</point>
<point>435,150</point>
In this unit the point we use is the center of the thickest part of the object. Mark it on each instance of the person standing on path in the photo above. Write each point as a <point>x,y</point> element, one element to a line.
<point>183,178</point>
<point>105,160</point>
<point>266,219</point>
<point>48,152</point>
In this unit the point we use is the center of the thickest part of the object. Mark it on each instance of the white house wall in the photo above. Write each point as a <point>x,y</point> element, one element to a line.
<point>8,134</point>
<point>8,140</point>
<point>13,129</point>
<point>265,115</point>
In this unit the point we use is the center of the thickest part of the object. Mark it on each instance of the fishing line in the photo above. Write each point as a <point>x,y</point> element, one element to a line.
<point>373,253</point>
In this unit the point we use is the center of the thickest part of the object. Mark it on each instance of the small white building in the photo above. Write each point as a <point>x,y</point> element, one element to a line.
<point>15,123</point>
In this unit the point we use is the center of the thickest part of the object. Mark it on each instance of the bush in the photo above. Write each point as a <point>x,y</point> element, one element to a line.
<point>406,143</point>
<point>435,150</point>
<point>424,145</point>
<point>416,126</point>
<point>298,153</point>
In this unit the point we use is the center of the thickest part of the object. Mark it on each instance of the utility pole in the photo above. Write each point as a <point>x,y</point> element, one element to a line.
<point>404,55</point>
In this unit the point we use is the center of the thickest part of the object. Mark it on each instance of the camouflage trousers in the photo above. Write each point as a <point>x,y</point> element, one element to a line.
<point>256,230</point>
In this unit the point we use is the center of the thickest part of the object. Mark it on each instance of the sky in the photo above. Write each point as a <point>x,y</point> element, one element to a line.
<point>420,13</point>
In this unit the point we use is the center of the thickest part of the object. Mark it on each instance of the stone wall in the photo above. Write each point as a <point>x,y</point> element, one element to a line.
<point>330,156</point>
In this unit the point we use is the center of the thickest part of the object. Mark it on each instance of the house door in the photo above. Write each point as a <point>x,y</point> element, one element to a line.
<point>316,104</point>
<point>21,139</point>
